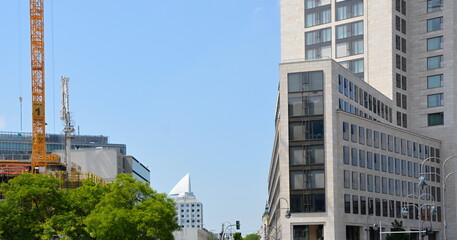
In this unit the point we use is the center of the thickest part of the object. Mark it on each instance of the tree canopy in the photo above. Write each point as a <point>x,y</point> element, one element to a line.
<point>35,207</point>
<point>252,236</point>
<point>397,226</point>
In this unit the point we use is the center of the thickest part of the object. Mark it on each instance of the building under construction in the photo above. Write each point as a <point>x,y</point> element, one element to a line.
<point>92,156</point>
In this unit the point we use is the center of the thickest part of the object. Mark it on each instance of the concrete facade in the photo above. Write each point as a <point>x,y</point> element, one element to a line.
<point>408,53</point>
<point>107,163</point>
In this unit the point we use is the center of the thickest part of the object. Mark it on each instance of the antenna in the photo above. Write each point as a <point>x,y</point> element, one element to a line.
<point>20,106</point>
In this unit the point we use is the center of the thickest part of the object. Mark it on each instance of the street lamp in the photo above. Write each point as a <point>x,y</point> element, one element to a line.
<point>287,215</point>
<point>422,184</point>
<point>432,208</point>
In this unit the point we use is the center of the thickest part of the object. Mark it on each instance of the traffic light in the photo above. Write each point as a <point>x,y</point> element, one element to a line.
<point>237,223</point>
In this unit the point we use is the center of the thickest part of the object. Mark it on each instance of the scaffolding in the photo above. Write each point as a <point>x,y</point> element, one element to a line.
<point>75,179</point>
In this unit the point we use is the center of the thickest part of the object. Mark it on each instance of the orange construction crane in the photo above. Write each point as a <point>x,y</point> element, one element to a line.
<point>39,156</point>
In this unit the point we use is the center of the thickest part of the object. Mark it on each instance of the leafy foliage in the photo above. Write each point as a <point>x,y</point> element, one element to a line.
<point>36,208</point>
<point>237,236</point>
<point>397,226</point>
<point>252,236</point>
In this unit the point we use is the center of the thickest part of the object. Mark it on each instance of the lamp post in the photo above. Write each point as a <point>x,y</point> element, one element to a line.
<point>275,219</point>
<point>444,193</point>
<point>405,210</point>
<point>422,185</point>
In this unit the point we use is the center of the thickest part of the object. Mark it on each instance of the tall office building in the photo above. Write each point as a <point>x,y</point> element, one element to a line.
<point>366,106</point>
<point>188,208</point>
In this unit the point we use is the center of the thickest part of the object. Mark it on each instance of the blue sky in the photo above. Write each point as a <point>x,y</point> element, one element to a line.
<point>189,86</point>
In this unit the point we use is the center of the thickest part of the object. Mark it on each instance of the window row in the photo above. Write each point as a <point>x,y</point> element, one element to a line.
<point>349,108</point>
<point>365,99</point>
<point>388,142</point>
<point>319,11</point>
<point>387,208</point>
<point>384,185</point>
<point>379,162</point>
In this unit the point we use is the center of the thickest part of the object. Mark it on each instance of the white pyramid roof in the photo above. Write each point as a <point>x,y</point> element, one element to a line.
<point>182,188</point>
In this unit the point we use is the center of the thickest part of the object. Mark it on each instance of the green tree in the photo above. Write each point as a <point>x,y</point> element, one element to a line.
<point>79,204</point>
<point>36,208</point>
<point>132,210</point>
<point>30,200</point>
<point>237,236</point>
<point>252,236</point>
<point>397,226</point>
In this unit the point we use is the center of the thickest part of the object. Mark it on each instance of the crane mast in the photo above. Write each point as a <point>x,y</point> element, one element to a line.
<point>66,117</point>
<point>39,156</point>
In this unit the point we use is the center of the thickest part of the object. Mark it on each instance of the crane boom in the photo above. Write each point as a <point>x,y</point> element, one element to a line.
<point>39,156</point>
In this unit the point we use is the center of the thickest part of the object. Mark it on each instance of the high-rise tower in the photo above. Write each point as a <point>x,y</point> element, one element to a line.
<point>365,108</point>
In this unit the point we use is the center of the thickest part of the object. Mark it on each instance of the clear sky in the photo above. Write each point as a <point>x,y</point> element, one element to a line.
<point>189,86</point>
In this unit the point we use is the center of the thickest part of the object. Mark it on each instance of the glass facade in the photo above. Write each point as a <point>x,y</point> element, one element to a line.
<point>306,146</point>
<point>21,143</point>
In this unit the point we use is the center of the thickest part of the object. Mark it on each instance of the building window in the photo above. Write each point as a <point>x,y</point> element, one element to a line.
<point>398,61</point>
<point>302,105</point>
<point>435,119</point>
<point>435,62</point>
<point>434,24</point>
<point>307,202</point>
<point>349,30</point>
<point>305,81</point>
<point>362,181</point>
<point>435,81</point>
<point>306,130</point>
<point>354,159</point>
<point>306,155</point>
<point>318,52</point>
<point>434,43</point>
<point>363,205</point>
<point>349,48</point>
<point>355,66</point>
<point>309,4</point>
<point>319,36</point>
<point>370,183</point>
<point>355,180</point>
<point>349,9</point>
<point>318,17</point>
<point>435,100</point>
<point>403,64</point>
<point>434,5</point>
<point>311,179</point>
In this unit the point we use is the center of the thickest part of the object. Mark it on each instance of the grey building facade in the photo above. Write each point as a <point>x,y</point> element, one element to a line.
<point>365,99</point>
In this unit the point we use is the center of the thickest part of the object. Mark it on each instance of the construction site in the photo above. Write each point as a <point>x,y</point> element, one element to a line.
<point>51,154</point>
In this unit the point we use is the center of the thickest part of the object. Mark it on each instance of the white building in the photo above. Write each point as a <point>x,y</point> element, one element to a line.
<point>188,208</point>
<point>366,94</point>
